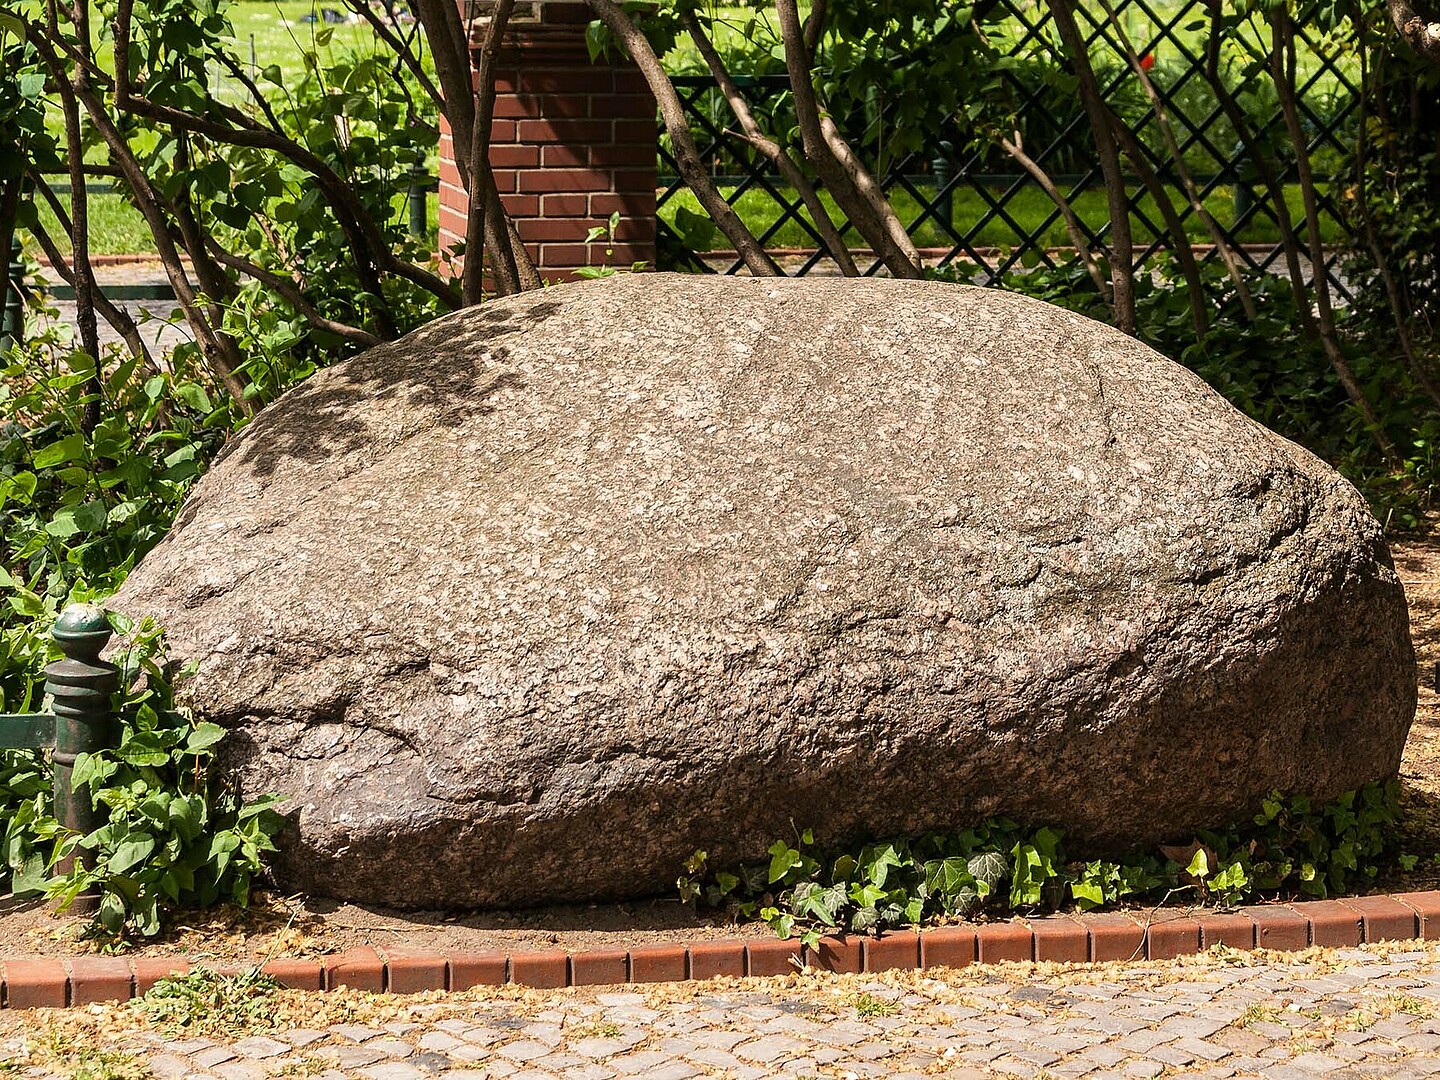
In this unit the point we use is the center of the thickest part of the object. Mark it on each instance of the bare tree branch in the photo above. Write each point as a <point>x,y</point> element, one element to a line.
<point>829,235</point>
<point>851,185</point>
<point>290,290</point>
<point>1162,119</point>
<point>1282,70</point>
<point>482,224</point>
<point>1421,33</point>
<point>1257,156</point>
<point>118,318</point>
<point>754,255</point>
<point>1015,148</point>
<point>1122,271</point>
<point>403,52</point>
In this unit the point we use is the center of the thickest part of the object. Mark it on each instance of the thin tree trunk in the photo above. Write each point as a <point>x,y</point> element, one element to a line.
<point>118,318</point>
<point>829,235</point>
<point>481,225</point>
<point>1282,69</point>
<point>1122,270</point>
<point>841,176</point>
<point>692,169</point>
<point>80,211</point>
<point>1398,311</point>
<point>1189,268</point>
<point>1255,153</point>
<point>1015,148</point>
<point>1192,192</point>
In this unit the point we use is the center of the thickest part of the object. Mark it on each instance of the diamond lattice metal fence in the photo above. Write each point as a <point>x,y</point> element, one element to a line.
<point>967,203</point>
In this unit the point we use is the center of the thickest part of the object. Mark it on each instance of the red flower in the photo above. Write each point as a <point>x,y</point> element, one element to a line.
<point>1147,61</point>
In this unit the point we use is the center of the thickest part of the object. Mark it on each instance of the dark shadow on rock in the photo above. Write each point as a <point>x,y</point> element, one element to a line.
<point>316,420</point>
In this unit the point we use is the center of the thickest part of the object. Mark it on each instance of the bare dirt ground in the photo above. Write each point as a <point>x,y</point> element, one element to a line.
<point>307,927</point>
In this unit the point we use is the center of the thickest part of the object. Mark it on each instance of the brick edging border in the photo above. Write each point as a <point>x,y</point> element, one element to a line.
<point>85,980</point>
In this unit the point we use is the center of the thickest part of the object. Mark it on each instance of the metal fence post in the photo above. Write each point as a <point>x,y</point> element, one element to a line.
<point>81,687</point>
<point>12,325</point>
<point>944,167</point>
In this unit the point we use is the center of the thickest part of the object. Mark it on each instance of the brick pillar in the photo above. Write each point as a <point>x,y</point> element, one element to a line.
<point>572,143</point>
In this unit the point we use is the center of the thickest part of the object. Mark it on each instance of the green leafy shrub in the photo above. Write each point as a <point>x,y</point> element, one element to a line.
<point>176,836</point>
<point>92,471</point>
<point>1290,847</point>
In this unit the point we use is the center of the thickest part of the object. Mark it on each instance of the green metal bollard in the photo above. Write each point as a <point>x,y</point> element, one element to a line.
<point>12,324</point>
<point>81,688</point>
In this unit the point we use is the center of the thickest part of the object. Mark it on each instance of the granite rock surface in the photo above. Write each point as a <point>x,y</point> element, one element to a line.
<point>531,604</point>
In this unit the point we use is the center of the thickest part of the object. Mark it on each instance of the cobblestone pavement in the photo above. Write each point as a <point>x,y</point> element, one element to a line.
<point>1337,1013</point>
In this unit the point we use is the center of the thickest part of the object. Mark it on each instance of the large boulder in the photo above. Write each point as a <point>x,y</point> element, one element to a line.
<point>529,605</point>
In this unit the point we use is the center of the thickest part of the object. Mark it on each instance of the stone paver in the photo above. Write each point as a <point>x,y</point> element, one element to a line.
<point>1371,1012</point>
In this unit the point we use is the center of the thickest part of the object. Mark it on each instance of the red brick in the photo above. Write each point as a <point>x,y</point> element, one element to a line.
<point>506,179</point>
<point>1384,917</point>
<point>838,953</point>
<point>625,107</point>
<point>501,131</point>
<point>547,180</point>
<point>1061,940</point>
<point>607,156</point>
<point>297,974</point>
<point>414,973</point>
<point>522,205</point>
<point>511,106</point>
<point>35,984</point>
<point>600,967</point>
<point>560,256</point>
<point>564,131</point>
<point>658,963</point>
<point>546,970</point>
<point>1332,924</point>
<point>641,229</point>
<point>1114,937</point>
<point>360,969</point>
<point>568,106</point>
<point>631,180</point>
<point>99,978</point>
<point>564,205</point>
<point>514,157</point>
<point>620,254</point>
<point>632,131</point>
<point>564,156</point>
<point>150,970</point>
<point>478,969</point>
<point>449,174</point>
<point>571,229</point>
<point>897,950</point>
<point>1005,941</point>
<point>1232,931</point>
<point>947,946</point>
<point>1426,906</point>
<point>771,956</point>
<point>595,79</point>
<point>636,204</point>
<point>1278,927</point>
<point>709,959</point>
<point>1168,938</point>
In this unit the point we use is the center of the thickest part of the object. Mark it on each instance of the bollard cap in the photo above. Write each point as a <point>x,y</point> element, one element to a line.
<point>82,631</point>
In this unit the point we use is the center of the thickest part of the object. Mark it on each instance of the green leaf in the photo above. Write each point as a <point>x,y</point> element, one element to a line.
<point>129,852</point>
<point>203,737</point>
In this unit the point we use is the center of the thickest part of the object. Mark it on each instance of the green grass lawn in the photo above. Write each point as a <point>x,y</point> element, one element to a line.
<point>1029,209</point>
<point>274,32</point>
